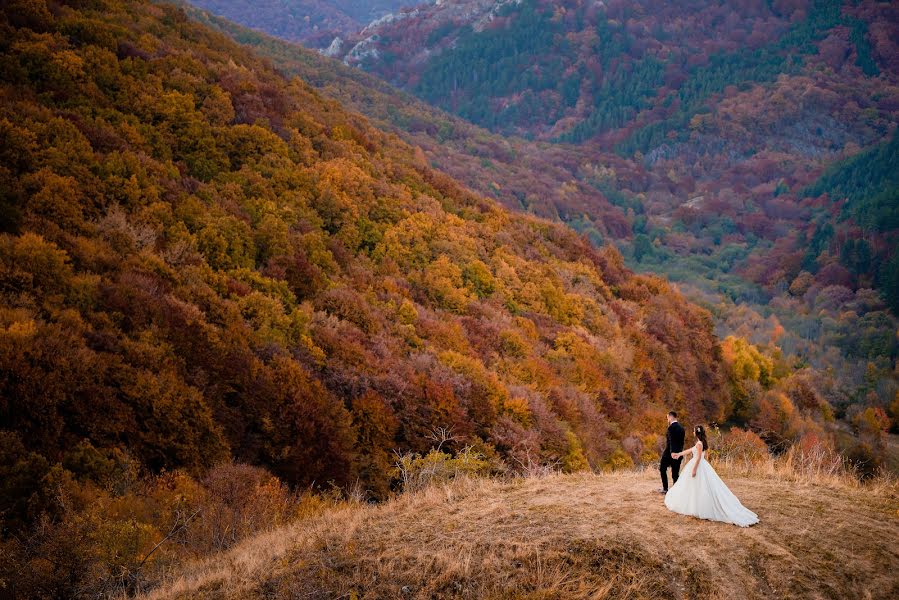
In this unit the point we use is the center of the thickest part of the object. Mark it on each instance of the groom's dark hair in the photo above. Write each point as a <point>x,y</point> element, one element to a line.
<point>672,413</point>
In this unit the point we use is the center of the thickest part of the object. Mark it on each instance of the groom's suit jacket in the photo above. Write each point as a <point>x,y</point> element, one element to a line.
<point>674,439</point>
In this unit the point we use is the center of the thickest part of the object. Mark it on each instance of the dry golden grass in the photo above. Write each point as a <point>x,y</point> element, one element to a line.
<point>575,536</point>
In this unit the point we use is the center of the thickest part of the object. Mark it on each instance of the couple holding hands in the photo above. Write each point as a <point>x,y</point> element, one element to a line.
<point>699,492</point>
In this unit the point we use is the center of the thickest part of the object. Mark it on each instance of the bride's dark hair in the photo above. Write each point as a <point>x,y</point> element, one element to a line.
<point>699,430</point>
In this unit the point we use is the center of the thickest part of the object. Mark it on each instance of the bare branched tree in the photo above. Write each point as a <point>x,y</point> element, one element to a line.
<point>441,436</point>
<point>530,467</point>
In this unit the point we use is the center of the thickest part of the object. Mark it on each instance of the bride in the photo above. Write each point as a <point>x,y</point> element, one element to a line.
<point>702,493</point>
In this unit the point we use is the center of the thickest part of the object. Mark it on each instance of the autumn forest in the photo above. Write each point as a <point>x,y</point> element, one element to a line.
<point>227,297</point>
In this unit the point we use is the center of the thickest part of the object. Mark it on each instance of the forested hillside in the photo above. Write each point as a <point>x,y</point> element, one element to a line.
<point>721,193</point>
<point>214,245</point>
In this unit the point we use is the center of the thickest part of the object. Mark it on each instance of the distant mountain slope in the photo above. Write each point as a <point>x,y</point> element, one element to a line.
<point>578,69</point>
<point>366,11</point>
<point>731,213</point>
<point>314,22</point>
<point>577,537</point>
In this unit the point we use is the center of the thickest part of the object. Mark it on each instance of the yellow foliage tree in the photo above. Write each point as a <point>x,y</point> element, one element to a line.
<point>575,459</point>
<point>444,285</point>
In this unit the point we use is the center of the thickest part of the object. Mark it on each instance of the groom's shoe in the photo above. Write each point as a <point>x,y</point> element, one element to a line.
<point>662,491</point>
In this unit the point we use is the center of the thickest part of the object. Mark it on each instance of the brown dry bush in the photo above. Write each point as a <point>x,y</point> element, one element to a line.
<point>122,538</point>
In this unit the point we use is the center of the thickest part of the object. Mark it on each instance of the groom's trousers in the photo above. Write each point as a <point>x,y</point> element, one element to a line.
<point>665,463</point>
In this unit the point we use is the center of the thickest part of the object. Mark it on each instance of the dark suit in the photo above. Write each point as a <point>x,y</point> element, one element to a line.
<point>674,442</point>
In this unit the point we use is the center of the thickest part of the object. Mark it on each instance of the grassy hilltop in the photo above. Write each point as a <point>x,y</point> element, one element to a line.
<point>574,536</point>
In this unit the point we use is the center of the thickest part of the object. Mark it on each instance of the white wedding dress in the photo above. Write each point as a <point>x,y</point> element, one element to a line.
<point>705,496</point>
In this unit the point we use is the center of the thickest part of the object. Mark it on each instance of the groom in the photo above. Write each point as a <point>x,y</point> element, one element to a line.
<point>674,442</point>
